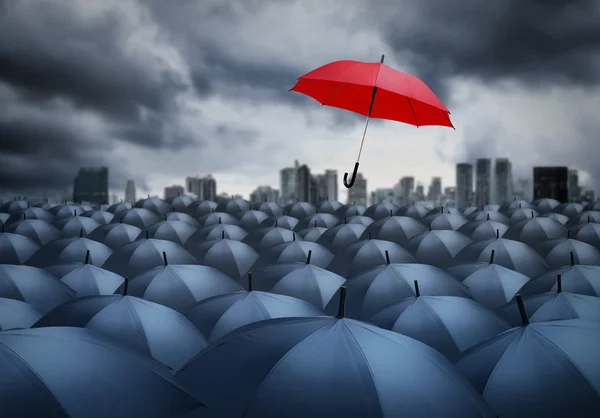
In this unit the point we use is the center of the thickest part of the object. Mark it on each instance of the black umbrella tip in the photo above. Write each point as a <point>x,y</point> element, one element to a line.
<point>147,236</point>
<point>492,256</point>
<point>417,291</point>
<point>572,258</point>
<point>342,303</point>
<point>559,283</point>
<point>522,311</point>
<point>387,257</point>
<point>488,216</point>
<point>429,226</point>
<point>87,257</point>
<point>249,282</point>
<point>293,236</point>
<point>497,233</point>
<point>125,286</point>
<point>166,263</point>
<point>308,256</point>
<point>223,234</point>
<point>219,219</point>
<point>81,233</point>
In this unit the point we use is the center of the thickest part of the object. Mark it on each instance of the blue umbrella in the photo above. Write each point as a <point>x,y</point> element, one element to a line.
<point>381,210</point>
<point>119,207</point>
<point>281,221</point>
<point>483,230</point>
<point>31,213</point>
<point>222,314</point>
<point>264,238</point>
<point>593,205</point>
<point>271,209</point>
<point>515,204</point>
<point>155,205</point>
<point>366,255</point>
<point>469,210</point>
<point>398,229</point>
<point>201,208</point>
<point>79,373</point>
<point>217,218</point>
<point>300,210</point>
<point>341,367</point>
<point>511,254</point>
<point>140,217</point>
<point>70,250</point>
<point>101,216</point>
<point>347,211</point>
<point>489,215</point>
<point>175,231</point>
<point>312,234</point>
<point>449,324</point>
<point>542,369</point>
<point>445,221</point>
<point>294,251</point>
<point>233,206</point>
<point>67,211</point>
<point>569,209</point>
<point>180,287</point>
<point>32,285</point>
<point>252,219</point>
<point>438,248</point>
<point>217,231</point>
<point>46,205</point>
<point>545,205</point>
<point>360,220</point>
<point>183,217</point>
<point>86,279</point>
<point>414,210</point>
<point>562,219</point>
<point>14,206</point>
<point>141,256</point>
<point>4,218</point>
<point>325,220</point>
<point>15,248</point>
<point>518,215</point>
<point>584,217</point>
<point>233,258</point>
<point>329,206</point>
<point>559,252</point>
<point>590,234</point>
<point>39,231</point>
<point>115,235</point>
<point>494,285</point>
<point>180,203</point>
<point>462,271</point>
<point>73,226</point>
<point>441,210</point>
<point>17,314</point>
<point>339,237</point>
<point>580,279</point>
<point>147,328</point>
<point>535,230</point>
<point>376,289</point>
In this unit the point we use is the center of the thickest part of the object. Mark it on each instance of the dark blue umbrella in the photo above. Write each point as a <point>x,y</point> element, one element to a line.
<point>155,205</point>
<point>325,220</point>
<point>347,211</point>
<point>67,211</point>
<point>469,210</point>
<point>414,210</point>
<point>535,230</point>
<point>445,221</point>
<point>442,209</point>
<point>233,206</point>
<point>86,279</point>
<point>281,221</point>
<point>462,271</point>
<point>511,254</point>
<point>233,258</point>
<point>542,369</point>
<point>312,234</point>
<point>381,210</point>
<point>115,235</point>
<point>398,229</point>
<point>180,287</point>
<point>583,280</point>
<point>70,250</point>
<point>141,256</point>
<point>76,226</point>
<point>14,206</point>
<point>17,314</point>
<point>217,218</point>
<point>119,207</point>
<point>218,231</point>
<point>31,213</point>
<point>329,206</point>
<point>590,234</point>
<point>101,216</point>
<point>341,367</point>
<point>46,205</point>
<point>438,248</point>
<point>15,248</point>
<point>79,373</point>
<point>4,217</point>
<point>545,205</point>
<point>264,238</point>
<point>366,255</point>
<point>449,324</point>
<point>342,236</point>
<point>515,204</point>
<point>483,230</point>
<point>180,203</point>
<point>489,215</point>
<point>175,231</point>
<point>140,217</point>
<point>183,217</point>
<point>32,285</point>
<point>584,218</point>
<point>518,215</point>
<point>252,219</point>
<point>294,251</point>
<point>562,219</point>
<point>560,252</point>
<point>370,292</point>
<point>300,210</point>
<point>593,205</point>
<point>145,327</point>
<point>271,209</point>
<point>569,209</point>
<point>360,220</point>
<point>220,315</point>
<point>200,208</point>
<point>494,285</point>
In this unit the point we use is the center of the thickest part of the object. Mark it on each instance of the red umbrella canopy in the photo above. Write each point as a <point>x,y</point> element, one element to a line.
<point>374,90</point>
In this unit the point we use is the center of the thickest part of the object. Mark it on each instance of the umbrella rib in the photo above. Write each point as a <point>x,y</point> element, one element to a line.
<point>338,87</point>
<point>413,111</point>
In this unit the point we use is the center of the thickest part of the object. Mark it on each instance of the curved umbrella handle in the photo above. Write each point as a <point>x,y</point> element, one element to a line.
<point>351,183</point>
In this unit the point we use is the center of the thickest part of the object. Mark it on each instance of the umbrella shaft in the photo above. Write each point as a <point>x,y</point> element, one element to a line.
<point>363,138</point>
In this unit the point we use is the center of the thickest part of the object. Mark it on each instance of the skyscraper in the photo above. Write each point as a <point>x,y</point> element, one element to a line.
<point>91,185</point>
<point>205,188</point>
<point>320,187</point>
<point>287,184</point>
<point>264,194</point>
<point>304,182</point>
<point>483,181</point>
<point>331,180</point>
<point>503,180</point>
<point>408,186</point>
<point>523,189</point>
<point>357,194</point>
<point>574,190</point>
<point>173,191</point>
<point>551,182</point>
<point>435,189</point>
<point>464,184</point>
<point>383,195</point>
<point>130,191</point>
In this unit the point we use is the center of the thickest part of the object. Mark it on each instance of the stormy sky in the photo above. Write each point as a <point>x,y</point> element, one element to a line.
<point>158,90</point>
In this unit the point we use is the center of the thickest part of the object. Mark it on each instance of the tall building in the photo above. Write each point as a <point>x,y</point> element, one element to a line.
<point>408,186</point>
<point>503,180</point>
<point>331,181</point>
<point>523,189</point>
<point>264,194</point>
<point>320,183</point>
<point>205,188</point>
<point>91,185</point>
<point>287,184</point>
<point>419,192</point>
<point>435,189</point>
<point>464,185</point>
<point>173,191</point>
<point>383,195</point>
<point>398,192</point>
<point>574,190</point>
<point>551,182</point>
<point>357,194</point>
<point>483,181</point>
<point>130,191</point>
<point>313,193</point>
<point>304,183</point>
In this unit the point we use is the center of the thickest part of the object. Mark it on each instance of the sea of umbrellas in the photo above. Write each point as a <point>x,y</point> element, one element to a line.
<point>187,308</point>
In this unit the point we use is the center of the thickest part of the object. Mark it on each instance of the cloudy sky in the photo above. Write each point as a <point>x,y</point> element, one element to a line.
<point>159,90</point>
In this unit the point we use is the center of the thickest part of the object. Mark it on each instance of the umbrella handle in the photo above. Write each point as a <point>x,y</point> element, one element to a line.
<point>351,183</point>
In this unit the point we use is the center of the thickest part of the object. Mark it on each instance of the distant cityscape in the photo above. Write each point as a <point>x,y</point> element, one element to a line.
<point>487,181</point>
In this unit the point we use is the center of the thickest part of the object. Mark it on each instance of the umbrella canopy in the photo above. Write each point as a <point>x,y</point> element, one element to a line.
<point>115,235</point>
<point>271,208</point>
<point>325,220</point>
<point>220,315</point>
<point>34,286</point>
<point>300,210</point>
<point>217,231</point>
<point>4,218</point>
<point>569,209</point>
<point>398,229</point>
<point>175,231</point>
<point>70,250</point>
<point>449,324</point>
<point>39,231</point>
<point>67,211</point>
<point>518,215</point>
<point>281,221</point>
<point>584,217</point>
<point>339,237</point>
<point>183,217</point>
<point>545,205</point>
<point>252,219</point>
<point>79,373</point>
<point>141,256</point>
<point>294,251</point>
<point>370,292</point>
<point>361,220</point>
<point>511,254</point>
<point>350,210</point>
<point>462,271</point>
<point>381,210</point>
<point>233,206</point>
<point>200,208</point>
<point>515,204</point>
<point>155,205</point>
<point>140,217</point>
<point>233,258</point>
<point>312,234</point>
<point>445,221</point>
<point>563,382</point>
<point>438,248</point>
<point>562,219</point>
<point>14,206</point>
<point>593,205</point>
<point>265,238</point>
<point>16,249</point>
<point>86,279</point>
<point>119,207</point>
<point>180,287</point>
<point>534,230</point>
<point>360,371</point>
<point>366,255</point>
<point>583,280</point>
<point>560,252</point>
<point>441,210</point>
<point>76,226</point>
<point>590,234</point>
<point>101,216</point>
<point>217,218</point>
<point>483,230</point>
<point>148,328</point>
<point>469,210</point>
<point>46,205</point>
<point>414,210</point>
<point>489,215</point>
<point>329,206</point>
<point>180,203</point>
<point>17,314</point>
<point>31,213</point>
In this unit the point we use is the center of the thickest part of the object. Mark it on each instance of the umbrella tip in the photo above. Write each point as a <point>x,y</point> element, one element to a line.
<point>249,282</point>
<point>308,256</point>
<point>342,305</point>
<point>293,236</point>
<point>147,236</point>
<point>559,283</point>
<point>345,220</point>
<point>166,263</point>
<point>429,226</point>
<point>417,291</point>
<point>87,257</point>
<point>568,233</point>
<point>387,257</point>
<point>522,311</point>
<point>369,234</point>
<point>572,258</point>
<point>497,233</point>
<point>315,223</point>
<point>277,222</point>
<point>492,256</point>
<point>488,217</point>
<point>219,219</point>
<point>125,286</point>
<point>81,233</point>
<point>382,58</point>
<point>391,213</point>
<point>223,234</point>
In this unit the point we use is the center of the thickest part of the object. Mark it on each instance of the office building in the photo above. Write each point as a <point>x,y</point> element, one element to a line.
<point>173,191</point>
<point>574,190</point>
<point>320,186</point>
<point>408,187</point>
<point>483,181</point>
<point>522,189</point>
<point>398,192</point>
<point>450,193</point>
<point>435,189</point>
<point>304,183</point>
<point>382,195</point>
<point>331,181</point>
<point>287,184</point>
<point>264,194</point>
<point>205,188</point>
<point>313,196</point>
<point>551,182</point>
<point>130,191</point>
<point>419,193</point>
<point>503,180</point>
<point>357,194</point>
<point>464,185</point>
<point>91,185</point>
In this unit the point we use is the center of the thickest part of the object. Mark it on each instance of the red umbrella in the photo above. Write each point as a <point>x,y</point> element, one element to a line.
<point>374,90</point>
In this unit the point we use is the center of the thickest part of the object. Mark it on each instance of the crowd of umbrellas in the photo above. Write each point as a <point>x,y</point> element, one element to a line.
<point>186,308</point>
